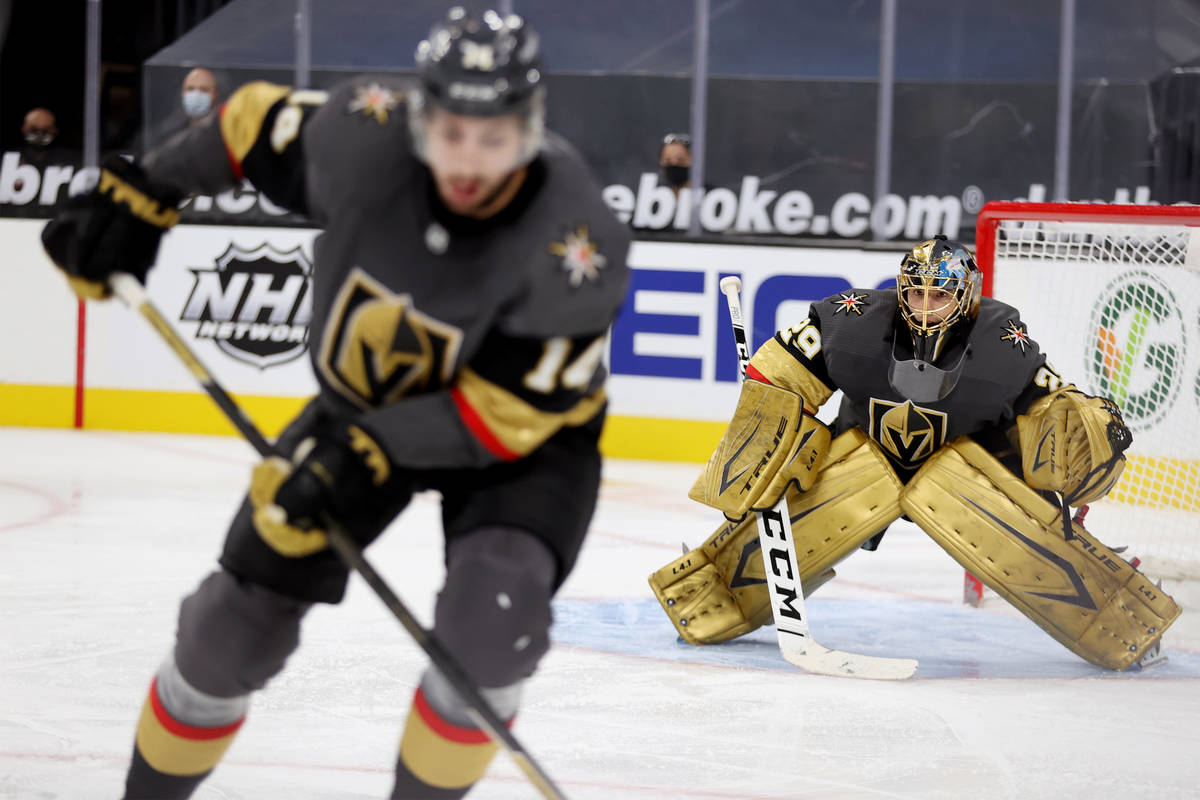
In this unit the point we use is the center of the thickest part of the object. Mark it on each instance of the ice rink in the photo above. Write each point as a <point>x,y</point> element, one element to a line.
<point>102,533</point>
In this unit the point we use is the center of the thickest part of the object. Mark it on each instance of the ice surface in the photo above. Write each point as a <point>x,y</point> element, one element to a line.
<point>101,534</point>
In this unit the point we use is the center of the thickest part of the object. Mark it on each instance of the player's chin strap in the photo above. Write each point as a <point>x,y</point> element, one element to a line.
<point>131,291</point>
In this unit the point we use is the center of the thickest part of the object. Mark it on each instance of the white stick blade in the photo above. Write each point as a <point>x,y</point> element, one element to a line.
<point>811,656</point>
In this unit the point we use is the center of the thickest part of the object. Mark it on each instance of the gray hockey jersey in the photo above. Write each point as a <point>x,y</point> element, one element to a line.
<point>850,341</point>
<point>457,342</point>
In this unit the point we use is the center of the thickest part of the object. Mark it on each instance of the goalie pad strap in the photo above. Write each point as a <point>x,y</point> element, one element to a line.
<point>769,444</point>
<point>1079,591</point>
<point>718,591</point>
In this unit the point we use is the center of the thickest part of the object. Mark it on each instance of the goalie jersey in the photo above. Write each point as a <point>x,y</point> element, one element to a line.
<point>852,340</point>
<point>460,342</point>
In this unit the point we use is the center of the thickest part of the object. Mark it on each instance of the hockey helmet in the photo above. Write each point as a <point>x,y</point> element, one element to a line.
<point>945,265</point>
<point>482,65</point>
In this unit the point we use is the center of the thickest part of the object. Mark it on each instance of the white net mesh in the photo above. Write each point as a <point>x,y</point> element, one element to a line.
<point>1116,308</point>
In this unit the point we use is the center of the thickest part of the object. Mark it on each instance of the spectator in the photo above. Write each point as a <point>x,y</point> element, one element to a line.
<point>199,94</point>
<point>675,161</point>
<point>39,130</point>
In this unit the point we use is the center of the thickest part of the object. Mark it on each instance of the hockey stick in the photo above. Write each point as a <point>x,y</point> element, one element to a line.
<point>131,291</point>
<point>796,643</point>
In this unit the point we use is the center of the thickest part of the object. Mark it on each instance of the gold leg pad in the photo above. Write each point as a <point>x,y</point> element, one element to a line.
<point>718,591</point>
<point>1080,592</point>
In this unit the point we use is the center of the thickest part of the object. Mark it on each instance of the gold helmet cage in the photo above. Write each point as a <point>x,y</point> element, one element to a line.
<point>938,264</point>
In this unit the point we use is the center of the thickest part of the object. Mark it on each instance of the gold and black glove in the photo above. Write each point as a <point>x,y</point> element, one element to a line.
<point>1073,443</point>
<point>116,227</point>
<point>335,476</point>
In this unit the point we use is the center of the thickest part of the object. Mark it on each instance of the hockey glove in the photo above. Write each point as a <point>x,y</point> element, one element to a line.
<point>116,227</point>
<point>334,476</point>
<point>1073,443</point>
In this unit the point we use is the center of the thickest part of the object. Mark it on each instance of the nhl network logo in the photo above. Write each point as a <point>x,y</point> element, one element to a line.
<point>255,304</point>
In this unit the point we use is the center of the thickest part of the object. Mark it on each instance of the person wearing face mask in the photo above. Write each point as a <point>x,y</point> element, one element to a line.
<point>39,130</point>
<point>675,161</point>
<point>199,94</point>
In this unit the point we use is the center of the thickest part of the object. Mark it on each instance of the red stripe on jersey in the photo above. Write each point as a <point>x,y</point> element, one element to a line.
<point>754,375</point>
<point>448,730</point>
<point>233,162</point>
<point>479,428</point>
<point>183,730</point>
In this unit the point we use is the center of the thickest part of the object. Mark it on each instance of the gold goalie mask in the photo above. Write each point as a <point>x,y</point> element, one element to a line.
<point>939,289</point>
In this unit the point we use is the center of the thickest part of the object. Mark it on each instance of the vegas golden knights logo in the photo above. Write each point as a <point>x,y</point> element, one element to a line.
<point>910,434</point>
<point>378,348</point>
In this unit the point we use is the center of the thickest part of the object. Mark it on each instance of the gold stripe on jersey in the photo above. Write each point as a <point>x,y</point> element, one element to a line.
<point>243,115</point>
<point>519,427</point>
<point>783,370</point>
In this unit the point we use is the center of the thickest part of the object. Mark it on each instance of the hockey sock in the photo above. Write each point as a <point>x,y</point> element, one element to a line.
<point>171,757</point>
<point>439,760</point>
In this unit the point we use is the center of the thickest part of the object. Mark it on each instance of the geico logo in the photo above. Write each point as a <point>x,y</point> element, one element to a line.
<point>707,352</point>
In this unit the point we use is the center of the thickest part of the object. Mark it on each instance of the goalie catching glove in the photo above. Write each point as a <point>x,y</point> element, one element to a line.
<point>116,227</point>
<point>1074,444</point>
<point>333,476</point>
<point>769,444</point>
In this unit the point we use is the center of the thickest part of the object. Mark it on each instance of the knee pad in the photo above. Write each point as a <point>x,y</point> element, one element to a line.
<point>493,614</point>
<point>234,636</point>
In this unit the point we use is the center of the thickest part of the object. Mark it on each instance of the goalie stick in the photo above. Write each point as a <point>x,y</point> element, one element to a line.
<point>133,294</point>
<point>796,643</point>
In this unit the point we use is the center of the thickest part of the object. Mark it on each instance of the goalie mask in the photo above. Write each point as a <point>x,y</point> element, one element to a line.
<point>939,288</point>
<point>480,65</point>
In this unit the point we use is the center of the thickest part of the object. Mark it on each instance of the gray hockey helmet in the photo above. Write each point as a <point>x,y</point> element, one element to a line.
<point>482,65</point>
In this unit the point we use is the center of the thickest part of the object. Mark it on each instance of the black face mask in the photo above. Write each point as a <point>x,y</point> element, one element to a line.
<point>675,175</point>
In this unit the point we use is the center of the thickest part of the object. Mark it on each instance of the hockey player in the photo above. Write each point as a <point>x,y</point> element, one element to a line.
<point>464,283</point>
<point>951,416</point>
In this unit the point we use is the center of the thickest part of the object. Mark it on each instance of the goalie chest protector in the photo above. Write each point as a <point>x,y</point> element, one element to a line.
<point>999,364</point>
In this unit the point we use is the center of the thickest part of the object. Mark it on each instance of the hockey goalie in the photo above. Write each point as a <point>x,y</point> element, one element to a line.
<point>950,417</point>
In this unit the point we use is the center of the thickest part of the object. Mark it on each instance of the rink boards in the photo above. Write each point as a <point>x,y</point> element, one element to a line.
<point>238,296</point>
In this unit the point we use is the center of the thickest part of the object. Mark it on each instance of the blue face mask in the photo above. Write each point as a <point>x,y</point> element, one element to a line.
<point>196,103</point>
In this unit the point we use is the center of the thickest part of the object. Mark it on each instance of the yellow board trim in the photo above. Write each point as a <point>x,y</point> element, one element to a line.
<point>37,406</point>
<point>658,439</point>
<point>182,412</point>
<point>652,438</point>
<point>192,412</point>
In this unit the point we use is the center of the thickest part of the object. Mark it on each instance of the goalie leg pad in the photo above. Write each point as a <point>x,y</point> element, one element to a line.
<point>718,591</point>
<point>1079,591</point>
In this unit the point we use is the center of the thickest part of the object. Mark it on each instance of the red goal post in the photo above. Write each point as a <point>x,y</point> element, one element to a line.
<point>1111,293</point>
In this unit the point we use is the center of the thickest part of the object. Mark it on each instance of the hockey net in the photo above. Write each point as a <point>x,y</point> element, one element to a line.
<point>1111,293</point>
